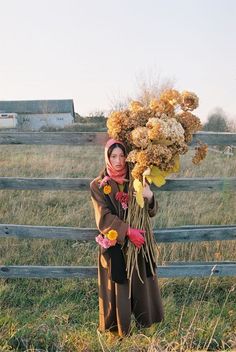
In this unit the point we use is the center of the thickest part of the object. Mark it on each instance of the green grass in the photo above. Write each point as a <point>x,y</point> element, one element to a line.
<point>62,315</point>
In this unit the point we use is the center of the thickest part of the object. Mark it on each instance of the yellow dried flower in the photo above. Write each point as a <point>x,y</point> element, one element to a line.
<point>138,118</point>
<point>162,106</point>
<point>172,96</point>
<point>153,155</point>
<point>112,235</point>
<point>154,128</point>
<point>200,153</point>
<point>160,155</point>
<point>114,124</point>
<point>137,172</point>
<point>167,166</point>
<point>154,104</point>
<point>189,101</point>
<point>135,106</point>
<point>132,156</point>
<point>166,107</point>
<point>190,123</point>
<point>155,136</point>
<point>166,131</point>
<point>107,189</point>
<point>178,148</point>
<point>143,158</point>
<point>118,125</point>
<point>139,137</point>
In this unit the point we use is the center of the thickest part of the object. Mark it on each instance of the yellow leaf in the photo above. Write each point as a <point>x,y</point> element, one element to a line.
<point>139,192</point>
<point>157,176</point>
<point>176,167</point>
<point>157,180</point>
<point>155,171</point>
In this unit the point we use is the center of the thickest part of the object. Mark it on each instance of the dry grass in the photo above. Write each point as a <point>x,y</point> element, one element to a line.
<point>61,315</point>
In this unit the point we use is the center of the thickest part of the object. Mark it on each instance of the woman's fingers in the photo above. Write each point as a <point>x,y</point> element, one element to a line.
<point>142,231</point>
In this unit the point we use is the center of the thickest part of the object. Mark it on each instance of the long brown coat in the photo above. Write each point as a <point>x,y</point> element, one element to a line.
<point>115,306</point>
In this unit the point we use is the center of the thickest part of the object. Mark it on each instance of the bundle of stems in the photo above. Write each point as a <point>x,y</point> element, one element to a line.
<point>138,218</point>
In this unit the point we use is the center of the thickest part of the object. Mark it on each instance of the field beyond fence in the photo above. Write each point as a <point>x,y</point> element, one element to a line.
<point>44,193</point>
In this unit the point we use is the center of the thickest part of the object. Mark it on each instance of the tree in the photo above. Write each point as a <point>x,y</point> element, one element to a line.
<point>217,122</point>
<point>148,85</point>
<point>232,125</point>
<point>151,85</point>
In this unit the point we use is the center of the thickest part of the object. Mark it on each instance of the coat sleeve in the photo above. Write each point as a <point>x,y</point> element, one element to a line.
<point>153,207</point>
<point>105,220</point>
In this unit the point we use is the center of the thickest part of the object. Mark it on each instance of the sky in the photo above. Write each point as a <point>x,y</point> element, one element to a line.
<point>99,52</point>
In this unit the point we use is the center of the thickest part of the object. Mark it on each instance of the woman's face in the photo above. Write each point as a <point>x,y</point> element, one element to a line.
<point>117,159</point>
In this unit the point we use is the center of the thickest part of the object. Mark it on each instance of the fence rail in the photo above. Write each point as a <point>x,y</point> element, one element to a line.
<point>98,138</point>
<point>82,184</point>
<point>162,235</point>
<point>190,233</point>
<point>164,271</point>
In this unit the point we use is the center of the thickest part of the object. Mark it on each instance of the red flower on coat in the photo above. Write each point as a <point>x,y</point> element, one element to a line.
<point>123,198</point>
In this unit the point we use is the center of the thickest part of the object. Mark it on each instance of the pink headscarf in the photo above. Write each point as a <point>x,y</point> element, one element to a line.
<point>118,176</point>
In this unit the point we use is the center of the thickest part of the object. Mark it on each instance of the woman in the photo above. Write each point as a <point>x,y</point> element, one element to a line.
<point>109,197</point>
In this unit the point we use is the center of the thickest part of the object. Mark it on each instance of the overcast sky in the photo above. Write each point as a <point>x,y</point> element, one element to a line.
<point>98,52</point>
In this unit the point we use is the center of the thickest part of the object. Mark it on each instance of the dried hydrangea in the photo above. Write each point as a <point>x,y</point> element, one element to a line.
<point>178,148</point>
<point>154,128</point>
<point>172,96</point>
<point>135,106</point>
<point>166,131</point>
<point>120,125</point>
<point>200,153</point>
<point>189,101</point>
<point>132,156</point>
<point>137,172</point>
<point>153,155</point>
<point>167,166</point>
<point>154,104</point>
<point>156,135</point>
<point>163,106</point>
<point>139,118</point>
<point>114,124</point>
<point>139,137</point>
<point>190,123</point>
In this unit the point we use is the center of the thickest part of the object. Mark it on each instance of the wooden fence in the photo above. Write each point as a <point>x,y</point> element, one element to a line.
<point>164,235</point>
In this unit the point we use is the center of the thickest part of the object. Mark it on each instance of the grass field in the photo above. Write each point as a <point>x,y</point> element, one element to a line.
<point>62,315</point>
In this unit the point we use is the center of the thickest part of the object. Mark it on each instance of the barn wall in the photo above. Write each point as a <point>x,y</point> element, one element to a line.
<point>36,121</point>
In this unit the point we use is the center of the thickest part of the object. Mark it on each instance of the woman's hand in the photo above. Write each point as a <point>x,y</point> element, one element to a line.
<point>136,236</point>
<point>147,193</point>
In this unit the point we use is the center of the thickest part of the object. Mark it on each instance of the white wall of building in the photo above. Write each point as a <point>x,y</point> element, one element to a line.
<point>37,121</point>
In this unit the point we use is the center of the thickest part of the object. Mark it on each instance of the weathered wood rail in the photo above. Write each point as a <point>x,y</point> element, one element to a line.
<point>99,138</point>
<point>163,235</point>
<point>188,233</point>
<point>163,271</point>
<point>82,184</point>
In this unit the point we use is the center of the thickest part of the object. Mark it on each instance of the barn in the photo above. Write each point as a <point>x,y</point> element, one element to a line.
<point>37,114</point>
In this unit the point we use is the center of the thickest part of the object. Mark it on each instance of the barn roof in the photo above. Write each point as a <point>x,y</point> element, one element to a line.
<point>37,106</point>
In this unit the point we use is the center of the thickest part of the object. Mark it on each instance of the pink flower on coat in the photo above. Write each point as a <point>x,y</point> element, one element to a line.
<point>99,239</point>
<point>124,205</point>
<point>104,181</point>
<point>104,241</point>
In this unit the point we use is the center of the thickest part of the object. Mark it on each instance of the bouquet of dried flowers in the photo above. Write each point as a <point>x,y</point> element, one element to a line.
<point>155,136</point>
